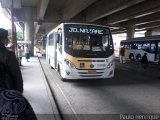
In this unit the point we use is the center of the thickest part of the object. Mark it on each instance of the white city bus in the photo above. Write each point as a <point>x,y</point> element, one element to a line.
<point>136,47</point>
<point>81,51</point>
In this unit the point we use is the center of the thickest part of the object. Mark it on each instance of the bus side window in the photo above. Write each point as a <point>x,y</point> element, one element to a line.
<point>60,41</point>
<point>51,40</point>
<point>133,46</point>
<point>68,41</point>
<point>146,47</point>
<point>153,48</point>
<point>139,46</point>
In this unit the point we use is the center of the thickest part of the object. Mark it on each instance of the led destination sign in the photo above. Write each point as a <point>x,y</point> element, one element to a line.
<point>85,30</point>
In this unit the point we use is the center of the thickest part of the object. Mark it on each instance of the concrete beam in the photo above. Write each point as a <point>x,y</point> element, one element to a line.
<point>152,32</point>
<point>149,25</point>
<point>53,12</point>
<point>41,12</point>
<point>142,9</point>
<point>54,16</point>
<point>118,31</point>
<point>26,14</point>
<point>80,18</point>
<point>42,9</point>
<point>103,8</point>
<point>138,21</point>
<point>30,3</point>
<point>74,7</point>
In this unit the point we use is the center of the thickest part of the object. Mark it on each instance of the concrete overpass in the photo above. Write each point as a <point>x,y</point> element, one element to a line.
<point>40,16</point>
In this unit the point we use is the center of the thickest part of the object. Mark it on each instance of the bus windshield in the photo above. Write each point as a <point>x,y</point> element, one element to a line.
<point>88,40</point>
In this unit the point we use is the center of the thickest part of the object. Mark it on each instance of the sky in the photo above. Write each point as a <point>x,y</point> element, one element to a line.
<point>4,21</point>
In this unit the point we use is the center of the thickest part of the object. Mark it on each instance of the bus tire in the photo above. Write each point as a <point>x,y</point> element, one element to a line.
<point>131,56</point>
<point>138,57</point>
<point>50,64</point>
<point>59,71</point>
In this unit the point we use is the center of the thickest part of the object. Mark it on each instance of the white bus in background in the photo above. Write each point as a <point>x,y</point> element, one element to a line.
<point>81,51</point>
<point>136,47</point>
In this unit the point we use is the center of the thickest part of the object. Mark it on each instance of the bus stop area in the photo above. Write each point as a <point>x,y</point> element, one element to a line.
<point>36,90</point>
<point>152,70</point>
<point>39,94</point>
<point>135,65</point>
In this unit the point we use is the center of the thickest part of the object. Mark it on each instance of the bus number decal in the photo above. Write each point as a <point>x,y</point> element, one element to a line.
<point>84,30</point>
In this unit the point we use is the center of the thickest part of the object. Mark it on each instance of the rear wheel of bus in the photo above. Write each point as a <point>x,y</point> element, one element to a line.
<point>131,57</point>
<point>138,57</point>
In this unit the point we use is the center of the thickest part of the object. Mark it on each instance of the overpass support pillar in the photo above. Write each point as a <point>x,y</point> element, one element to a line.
<point>130,32</point>
<point>29,35</point>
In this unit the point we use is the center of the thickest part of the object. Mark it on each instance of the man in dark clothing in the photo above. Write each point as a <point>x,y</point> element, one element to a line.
<point>144,61</point>
<point>10,74</point>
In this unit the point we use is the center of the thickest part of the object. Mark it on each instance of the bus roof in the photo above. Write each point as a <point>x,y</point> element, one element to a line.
<point>148,38</point>
<point>87,24</point>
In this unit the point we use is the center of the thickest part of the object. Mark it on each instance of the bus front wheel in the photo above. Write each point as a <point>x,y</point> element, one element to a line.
<point>60,74</point>
<point>50,63</point>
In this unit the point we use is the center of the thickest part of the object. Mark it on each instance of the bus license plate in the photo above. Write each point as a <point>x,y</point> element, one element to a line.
<point>92,71</point>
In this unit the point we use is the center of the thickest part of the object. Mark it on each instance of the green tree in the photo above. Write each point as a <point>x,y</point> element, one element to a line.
<point>19,36</point>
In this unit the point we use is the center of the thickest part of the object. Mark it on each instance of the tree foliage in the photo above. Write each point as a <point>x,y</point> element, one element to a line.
<point>19,36</point>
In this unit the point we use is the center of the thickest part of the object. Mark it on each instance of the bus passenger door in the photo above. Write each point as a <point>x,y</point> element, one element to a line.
<point>152,53</point>
<point>158,53</point>
<point>59,48</point>
<point>54,51</point>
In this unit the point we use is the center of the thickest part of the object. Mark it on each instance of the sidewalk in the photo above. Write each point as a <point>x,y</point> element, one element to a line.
<point>36,90</point>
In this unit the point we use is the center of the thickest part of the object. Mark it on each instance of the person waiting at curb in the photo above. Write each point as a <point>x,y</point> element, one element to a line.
<point>27,55</point>
<point>20,54</point>
<point>10,74</point>
<point>121,55</point>
<point>144,61</point>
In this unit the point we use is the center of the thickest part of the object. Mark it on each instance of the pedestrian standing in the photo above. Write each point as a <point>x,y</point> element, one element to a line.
<point>20,55</point>
<point>144,61</point>
<point>121,55</point>
<point>10,74</point>
<point>27,55</point>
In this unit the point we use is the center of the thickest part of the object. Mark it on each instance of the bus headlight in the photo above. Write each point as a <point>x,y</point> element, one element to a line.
<point>110,64</point>
<point>69,63</point>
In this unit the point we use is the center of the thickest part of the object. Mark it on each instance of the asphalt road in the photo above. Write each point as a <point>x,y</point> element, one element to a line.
<point>133,91</point>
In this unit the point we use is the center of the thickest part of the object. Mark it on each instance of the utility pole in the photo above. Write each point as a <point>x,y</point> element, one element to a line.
<point>11,4</point>
<point>13,27</point>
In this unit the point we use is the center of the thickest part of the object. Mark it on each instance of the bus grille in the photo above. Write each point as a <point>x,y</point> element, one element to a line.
<point>91,76</point>
<point>87,73</point>
<point>91,60</point>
